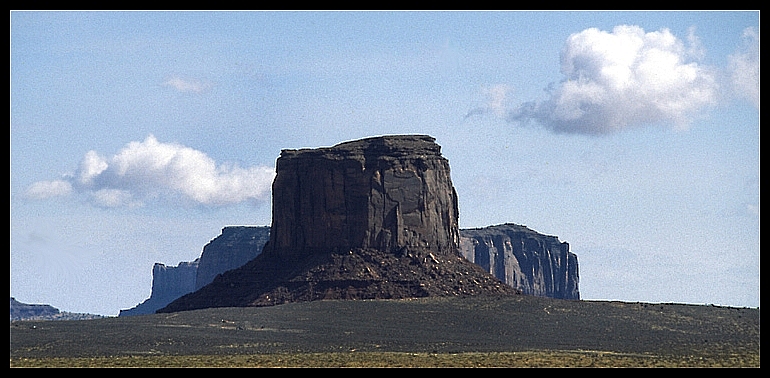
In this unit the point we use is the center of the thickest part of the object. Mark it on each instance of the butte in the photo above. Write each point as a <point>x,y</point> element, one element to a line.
<point>375,218</point>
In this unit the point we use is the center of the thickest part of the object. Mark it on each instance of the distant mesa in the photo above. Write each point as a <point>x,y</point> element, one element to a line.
<point>26,311</point>
<point>168,283</point>
<point>233,248</point>
<point>531,262</point>
<point>534,263</point>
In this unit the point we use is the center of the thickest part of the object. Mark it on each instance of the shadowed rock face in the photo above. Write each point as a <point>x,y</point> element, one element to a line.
<point>385,193</point>
<point>369,219</point>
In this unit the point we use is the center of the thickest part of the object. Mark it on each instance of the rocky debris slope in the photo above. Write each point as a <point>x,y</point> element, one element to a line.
<point>357,274</point>
<point>372,218</point>
<point>534,263</point>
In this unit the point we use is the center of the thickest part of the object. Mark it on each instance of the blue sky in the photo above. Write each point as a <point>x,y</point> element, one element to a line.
<point>633,136</point>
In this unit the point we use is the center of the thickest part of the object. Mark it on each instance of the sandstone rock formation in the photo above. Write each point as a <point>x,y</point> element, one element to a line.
<point>529,261</point>
<point>168,283</point>
<point>367,219</point>
<point>386,193</point>
<point>534,263</point>
<point>234,247</point>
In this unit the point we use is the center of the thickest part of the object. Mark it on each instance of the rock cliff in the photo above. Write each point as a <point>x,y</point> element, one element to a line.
<point>529,261</point>
<point>534,263</point>
<point>385,193</point>
<point>367,219</point>
<point>168,283</point>
<point>234,247</point>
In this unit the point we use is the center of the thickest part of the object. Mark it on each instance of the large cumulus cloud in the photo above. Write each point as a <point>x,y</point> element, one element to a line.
<point>624,78</point>
<point>150,169</point>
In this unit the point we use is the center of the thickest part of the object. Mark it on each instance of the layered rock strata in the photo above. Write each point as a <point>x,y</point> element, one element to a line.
<point>534,263</point>
<point>367,219</point>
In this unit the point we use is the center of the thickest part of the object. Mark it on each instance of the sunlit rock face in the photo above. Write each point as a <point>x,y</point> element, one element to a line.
<point>534,263</point>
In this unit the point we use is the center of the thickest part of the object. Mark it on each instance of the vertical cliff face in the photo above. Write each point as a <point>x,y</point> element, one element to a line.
<point>534,263</point>
<point>168,283</point>
<point>235,246</point>
<point>367,219</point>
<point>171,281</point>
<point>385,193</point>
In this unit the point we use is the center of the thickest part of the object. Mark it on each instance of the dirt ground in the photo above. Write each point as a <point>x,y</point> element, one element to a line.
<point>467,326</point>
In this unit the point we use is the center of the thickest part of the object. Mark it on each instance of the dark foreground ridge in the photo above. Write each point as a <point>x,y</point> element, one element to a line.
<point>375,218</point>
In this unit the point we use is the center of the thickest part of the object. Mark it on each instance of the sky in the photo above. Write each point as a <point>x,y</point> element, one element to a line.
<point>633,136</point>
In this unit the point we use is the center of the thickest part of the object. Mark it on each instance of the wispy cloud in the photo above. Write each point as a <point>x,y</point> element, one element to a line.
<point>187,85</point>
<point>624,78</point>
<point>496,95</point>
<point>151,169</point>
<point>744,68</point>
<point>48,189</point>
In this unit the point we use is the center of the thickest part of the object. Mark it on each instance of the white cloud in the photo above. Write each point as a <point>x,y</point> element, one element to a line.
<point>621,79</point>
<point>187,85</point>
<point>151,169</point>
<point>744,68</point>
<point>91,166</point>
<point>113,198</point>
<point>48,189</point>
